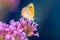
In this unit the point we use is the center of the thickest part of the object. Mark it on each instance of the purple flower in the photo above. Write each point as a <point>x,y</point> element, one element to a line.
<point>29,27</point>
<point>18,30</point>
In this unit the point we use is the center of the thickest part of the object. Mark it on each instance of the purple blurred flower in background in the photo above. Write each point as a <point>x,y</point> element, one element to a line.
<point>7,7</point>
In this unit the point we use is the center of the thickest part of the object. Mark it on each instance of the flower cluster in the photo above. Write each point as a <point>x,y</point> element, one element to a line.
<point>18,30</point>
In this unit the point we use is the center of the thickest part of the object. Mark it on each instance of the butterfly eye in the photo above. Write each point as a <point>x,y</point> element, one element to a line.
<point>30,7</point>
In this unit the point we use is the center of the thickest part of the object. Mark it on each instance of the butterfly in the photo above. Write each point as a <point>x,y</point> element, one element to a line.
<point>28,11</point>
